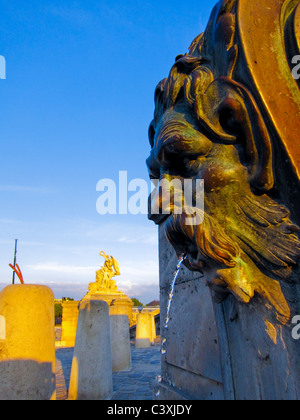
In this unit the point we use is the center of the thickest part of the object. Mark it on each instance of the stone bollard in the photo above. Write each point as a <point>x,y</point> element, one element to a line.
<point>120,343</point>
<point>153,328</point>
<point>91,373</point>
<point>69,323</point>
<point>27,343</point>
<point>144,330</point>
<point>120,337</point>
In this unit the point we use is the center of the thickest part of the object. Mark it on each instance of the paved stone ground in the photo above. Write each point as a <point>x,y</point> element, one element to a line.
<point>134,385</point>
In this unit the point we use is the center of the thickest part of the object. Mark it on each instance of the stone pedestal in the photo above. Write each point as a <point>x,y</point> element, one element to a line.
<point>117,302</point>
<point>145,330</point>
<point>27,343</point>
<point>91,374</point>
<point>120,314</point>
<point>120,343</point>
<point>119,311</point>
<point>153,328</point>
<point>69,323</point>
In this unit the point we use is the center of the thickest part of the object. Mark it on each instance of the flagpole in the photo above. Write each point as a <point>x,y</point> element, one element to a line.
<point>15,261</point>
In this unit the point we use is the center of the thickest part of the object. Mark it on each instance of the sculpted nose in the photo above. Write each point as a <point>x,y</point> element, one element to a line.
<point>153,167</point>
<point>149,163</point>
<point>166,198</point>
<point>157,197</point>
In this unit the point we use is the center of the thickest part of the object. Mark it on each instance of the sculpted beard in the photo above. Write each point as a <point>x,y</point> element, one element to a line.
<point>210,248</point>
<point>209,245</point>
<point>205,244</point>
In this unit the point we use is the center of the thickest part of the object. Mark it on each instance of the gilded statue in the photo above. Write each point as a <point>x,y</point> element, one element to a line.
<point>226,116</point>
<point>104,277</point>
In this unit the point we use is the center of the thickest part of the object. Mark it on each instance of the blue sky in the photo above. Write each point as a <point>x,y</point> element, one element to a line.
<point>76,105</point>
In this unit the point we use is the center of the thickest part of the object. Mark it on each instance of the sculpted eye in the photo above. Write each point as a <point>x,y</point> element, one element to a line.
<point>178,164</point>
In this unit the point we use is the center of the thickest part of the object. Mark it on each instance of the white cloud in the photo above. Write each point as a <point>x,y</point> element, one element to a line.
<point>144,238</point>
<point>141,269</point>
<point>25,189</point>
<point>138,278</point>
<point>131,273</point>
<point>10,221</point>
<point>66,256</point>
<point>63,269</point>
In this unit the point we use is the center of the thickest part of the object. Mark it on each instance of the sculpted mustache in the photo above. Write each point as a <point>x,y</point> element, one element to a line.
<point>207,239</point>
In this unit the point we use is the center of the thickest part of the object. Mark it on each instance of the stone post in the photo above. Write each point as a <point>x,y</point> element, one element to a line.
<point>120,312</point>
<point>153,328</point>
<point>144,330</point>
<point>69,323</point>
<point>91,373</point>
<point>120,338</point>
<point>27,343</point>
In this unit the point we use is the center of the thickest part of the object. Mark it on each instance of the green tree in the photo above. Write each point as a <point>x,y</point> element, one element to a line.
<point>136,302</point>
<point>58,310</point>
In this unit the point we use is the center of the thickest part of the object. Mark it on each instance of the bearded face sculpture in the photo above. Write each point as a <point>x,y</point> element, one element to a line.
<point>208,125</point>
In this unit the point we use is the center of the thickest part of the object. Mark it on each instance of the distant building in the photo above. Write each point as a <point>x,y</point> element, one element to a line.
<point>154,303</point>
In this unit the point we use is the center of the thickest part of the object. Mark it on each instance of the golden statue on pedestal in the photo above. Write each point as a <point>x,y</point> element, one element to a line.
<point>104,282</point>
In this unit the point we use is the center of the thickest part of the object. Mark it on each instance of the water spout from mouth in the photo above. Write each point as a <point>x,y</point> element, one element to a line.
<point>170,300</point>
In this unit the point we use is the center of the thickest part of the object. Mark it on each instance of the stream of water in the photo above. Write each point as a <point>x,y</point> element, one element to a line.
<point>170,301</point>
